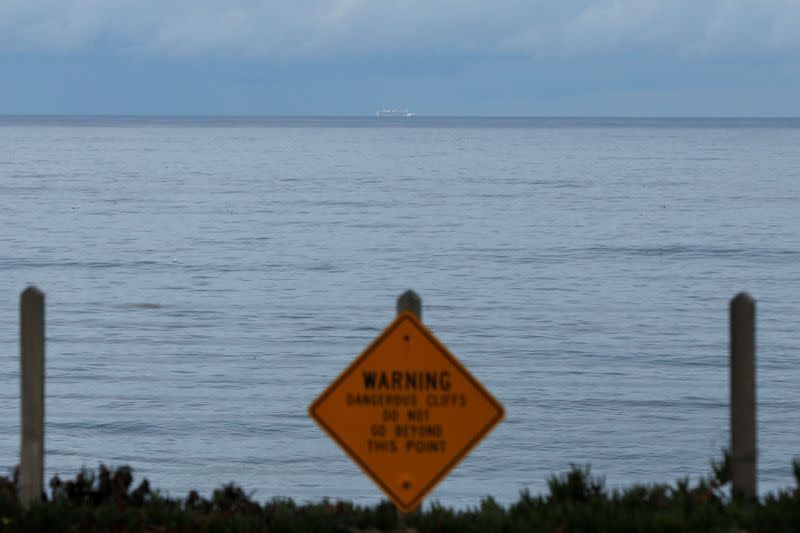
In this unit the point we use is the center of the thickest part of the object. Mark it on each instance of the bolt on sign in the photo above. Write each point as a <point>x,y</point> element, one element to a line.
<point>406,411</point>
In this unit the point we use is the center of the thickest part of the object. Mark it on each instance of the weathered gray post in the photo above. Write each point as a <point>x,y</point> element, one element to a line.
<point>410,301</point>
<point>743,395</point>
<point>32,360</point>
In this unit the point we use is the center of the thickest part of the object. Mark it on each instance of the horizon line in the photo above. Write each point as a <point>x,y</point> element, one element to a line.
<point>408,119</point>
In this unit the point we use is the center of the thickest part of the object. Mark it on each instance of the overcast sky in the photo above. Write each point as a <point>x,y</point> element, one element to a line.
<point>446,57</point>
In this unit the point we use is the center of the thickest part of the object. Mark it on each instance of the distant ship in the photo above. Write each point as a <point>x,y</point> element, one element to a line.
<point>394,113</point>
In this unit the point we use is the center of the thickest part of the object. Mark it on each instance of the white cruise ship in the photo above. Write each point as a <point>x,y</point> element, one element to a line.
<point>393,113</point>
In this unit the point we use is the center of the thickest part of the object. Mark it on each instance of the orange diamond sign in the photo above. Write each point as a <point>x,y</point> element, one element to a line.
<point>407,411</point>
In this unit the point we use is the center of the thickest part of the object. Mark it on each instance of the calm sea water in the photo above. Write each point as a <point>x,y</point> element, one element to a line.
<point>207,278</point>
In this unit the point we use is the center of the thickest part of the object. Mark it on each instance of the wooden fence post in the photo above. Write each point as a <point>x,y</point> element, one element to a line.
<point>743,395</point>
<point>32,373</point>
<point>410,301</point>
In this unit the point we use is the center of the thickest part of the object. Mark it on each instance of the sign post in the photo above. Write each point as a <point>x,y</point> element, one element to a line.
<point>406,410</point>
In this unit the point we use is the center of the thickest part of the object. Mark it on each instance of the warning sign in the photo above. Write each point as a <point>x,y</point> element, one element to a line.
<point>407,411</point>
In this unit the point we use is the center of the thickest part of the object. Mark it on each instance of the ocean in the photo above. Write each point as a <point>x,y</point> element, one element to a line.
<point>206,278</point>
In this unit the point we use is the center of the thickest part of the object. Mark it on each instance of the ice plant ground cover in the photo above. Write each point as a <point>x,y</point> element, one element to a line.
<point>578,500</point>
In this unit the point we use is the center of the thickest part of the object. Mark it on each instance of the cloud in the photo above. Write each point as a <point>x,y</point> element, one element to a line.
<point>325,28</point>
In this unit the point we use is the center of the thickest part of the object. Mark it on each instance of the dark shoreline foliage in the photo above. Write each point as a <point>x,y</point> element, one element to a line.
<point>576,501</point>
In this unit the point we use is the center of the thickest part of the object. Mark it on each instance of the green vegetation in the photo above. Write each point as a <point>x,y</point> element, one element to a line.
<point>576,501</point>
